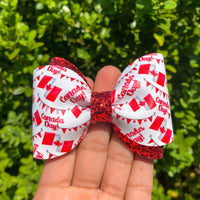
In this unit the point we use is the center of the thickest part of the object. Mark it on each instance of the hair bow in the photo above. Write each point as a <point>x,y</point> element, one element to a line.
<point>138,108</point>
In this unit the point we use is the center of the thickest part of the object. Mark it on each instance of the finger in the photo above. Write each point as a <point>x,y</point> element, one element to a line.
<point>92,151</point>
<point>140,183</point>
<point>90,82</point>
<point>59,171</point>
<point>106,79</point>
<point>117,169</point>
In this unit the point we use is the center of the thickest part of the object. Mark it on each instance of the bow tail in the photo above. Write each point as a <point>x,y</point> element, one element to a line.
<point>142,150</point>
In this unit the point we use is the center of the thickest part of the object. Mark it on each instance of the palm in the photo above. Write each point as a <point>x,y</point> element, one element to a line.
<point>75,193</point>
<point>103,169</point>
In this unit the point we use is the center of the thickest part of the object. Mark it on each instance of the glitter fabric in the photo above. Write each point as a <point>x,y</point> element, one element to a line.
<point>145,151</point>
<point>101,109</point>
<point>65,63</point>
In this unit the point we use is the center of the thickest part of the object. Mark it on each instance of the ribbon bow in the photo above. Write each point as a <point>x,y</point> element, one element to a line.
<point>138,107</point>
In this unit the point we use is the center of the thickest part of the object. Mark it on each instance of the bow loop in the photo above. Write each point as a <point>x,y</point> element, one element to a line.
<point>60,93</point>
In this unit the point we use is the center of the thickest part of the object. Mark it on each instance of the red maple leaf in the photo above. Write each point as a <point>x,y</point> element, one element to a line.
<point>162,129</point>
<point>58,143</point>
<point>142,103</point>
<point>153,73</point>
<point>48,87</point>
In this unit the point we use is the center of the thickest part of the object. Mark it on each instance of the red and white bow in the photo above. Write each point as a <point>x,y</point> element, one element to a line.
<point>138,107</point>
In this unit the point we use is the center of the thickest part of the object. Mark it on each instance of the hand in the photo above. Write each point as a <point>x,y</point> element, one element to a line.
<point>101,167</point>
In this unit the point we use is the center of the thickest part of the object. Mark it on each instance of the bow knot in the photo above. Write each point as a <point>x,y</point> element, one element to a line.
<point>101,107</point>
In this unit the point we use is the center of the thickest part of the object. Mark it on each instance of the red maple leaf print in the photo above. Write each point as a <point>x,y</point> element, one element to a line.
<point>162,129</point>
<point>142,103</point>
<point>48,87</point>
<point>153,73</point>
<point>58,143</point>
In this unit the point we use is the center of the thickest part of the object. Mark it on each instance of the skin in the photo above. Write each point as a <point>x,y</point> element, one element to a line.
<point>98,169</point>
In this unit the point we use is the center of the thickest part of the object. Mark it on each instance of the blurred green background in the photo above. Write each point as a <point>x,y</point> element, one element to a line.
<point>91,34</point>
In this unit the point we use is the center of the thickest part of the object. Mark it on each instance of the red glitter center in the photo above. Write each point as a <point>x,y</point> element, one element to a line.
<point>101,107</point>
